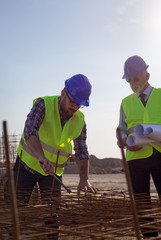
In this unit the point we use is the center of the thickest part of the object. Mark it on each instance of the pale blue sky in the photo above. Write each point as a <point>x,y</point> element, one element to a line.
<point>44,42</point>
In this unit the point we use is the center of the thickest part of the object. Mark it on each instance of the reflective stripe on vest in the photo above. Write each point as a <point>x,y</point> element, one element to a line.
<point>47,148</point>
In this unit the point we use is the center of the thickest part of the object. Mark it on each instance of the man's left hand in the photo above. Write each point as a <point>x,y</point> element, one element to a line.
<point>85,186</point>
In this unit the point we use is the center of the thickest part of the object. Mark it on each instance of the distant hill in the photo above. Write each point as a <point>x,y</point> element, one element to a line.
<point>98,166</point>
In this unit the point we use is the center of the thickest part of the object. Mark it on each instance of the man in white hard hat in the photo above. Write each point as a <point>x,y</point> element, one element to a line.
<point>143,106</point>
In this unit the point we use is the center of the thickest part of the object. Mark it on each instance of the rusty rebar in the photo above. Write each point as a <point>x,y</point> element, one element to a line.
<point>105,215</point>
<point>15,227</point>
<point>129,185</point>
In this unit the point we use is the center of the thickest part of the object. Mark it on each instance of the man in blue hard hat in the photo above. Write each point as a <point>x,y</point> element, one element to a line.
<point>52,124</point>
<point>143,106</point>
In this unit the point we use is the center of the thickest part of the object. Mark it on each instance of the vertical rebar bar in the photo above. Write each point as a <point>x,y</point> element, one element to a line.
<point>16,227</point>
<point>129,185</point>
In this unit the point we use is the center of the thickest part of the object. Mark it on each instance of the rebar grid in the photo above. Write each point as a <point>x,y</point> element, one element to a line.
<point>106,215</point>
<point>13,140</point>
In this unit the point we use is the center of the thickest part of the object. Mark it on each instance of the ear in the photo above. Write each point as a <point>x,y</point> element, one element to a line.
<point>147,76</point>
<point>62,92</point>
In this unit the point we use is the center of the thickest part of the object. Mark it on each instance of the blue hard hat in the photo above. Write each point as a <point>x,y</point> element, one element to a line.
<point>134,66</point>
<point>79,88</point>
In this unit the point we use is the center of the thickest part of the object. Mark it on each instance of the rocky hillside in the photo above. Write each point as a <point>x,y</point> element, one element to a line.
<point>98,166</point>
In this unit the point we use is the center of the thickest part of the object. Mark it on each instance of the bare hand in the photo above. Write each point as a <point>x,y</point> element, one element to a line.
<point>47,166</point>
<point>85,186</point>
<point>133,148</point>
<point>71,158</point>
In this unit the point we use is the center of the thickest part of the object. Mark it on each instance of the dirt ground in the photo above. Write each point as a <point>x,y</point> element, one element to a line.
<point>105,181</point>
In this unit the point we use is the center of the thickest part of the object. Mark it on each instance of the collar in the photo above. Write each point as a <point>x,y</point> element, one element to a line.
<point>147,91</point>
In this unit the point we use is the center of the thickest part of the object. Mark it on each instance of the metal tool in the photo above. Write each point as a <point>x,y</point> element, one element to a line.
<point>68,190</point>
<point>56,178</point>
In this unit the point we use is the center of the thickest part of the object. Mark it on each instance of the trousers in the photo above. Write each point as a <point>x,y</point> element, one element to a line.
<point>141,171</point>
<point>50,188</point>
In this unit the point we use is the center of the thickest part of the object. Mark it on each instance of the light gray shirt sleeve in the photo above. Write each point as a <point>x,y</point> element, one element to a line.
<point>122,123</point>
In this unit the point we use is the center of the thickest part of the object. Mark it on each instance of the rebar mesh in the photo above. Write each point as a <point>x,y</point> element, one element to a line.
<point>13,144</point>
<point>105,215</point>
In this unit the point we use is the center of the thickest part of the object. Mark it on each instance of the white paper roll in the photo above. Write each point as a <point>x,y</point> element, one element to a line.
<point>139,141</point>
<point>141,129</point>
<point>153,131</point>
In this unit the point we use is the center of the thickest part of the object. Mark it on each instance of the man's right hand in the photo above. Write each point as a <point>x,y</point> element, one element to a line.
<point>46,165</point>
<point>130,148</point>
<point>34,144</point>
<point>133,148</point>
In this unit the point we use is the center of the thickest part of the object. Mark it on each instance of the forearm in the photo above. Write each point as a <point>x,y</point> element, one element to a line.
<point>84,184</point>
<point>82,157</point>
<point>34,144</point>
<point>83,166</point>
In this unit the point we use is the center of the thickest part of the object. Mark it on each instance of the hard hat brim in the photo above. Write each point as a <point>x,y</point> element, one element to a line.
<point>84,103</point>
<point>78,101</point>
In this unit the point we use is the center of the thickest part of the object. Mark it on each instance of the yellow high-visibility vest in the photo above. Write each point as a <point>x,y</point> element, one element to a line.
<point>54,140</point>
<point>136,113</point>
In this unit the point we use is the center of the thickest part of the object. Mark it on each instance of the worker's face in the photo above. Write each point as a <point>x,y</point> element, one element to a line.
<point>140,82</point>
<point>68,105</point>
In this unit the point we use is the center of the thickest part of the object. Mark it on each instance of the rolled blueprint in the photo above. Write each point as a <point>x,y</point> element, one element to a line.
<point>144,135</point>
<point>153,131</point>
<point>140,129</point>
<point>139,141</point>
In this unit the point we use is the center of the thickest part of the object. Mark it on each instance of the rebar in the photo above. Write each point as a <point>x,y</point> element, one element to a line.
<point>105,215</point>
